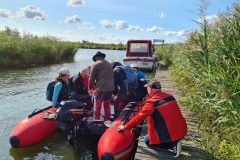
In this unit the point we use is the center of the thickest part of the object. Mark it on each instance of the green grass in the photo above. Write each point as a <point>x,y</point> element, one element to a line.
<point>111,46</point>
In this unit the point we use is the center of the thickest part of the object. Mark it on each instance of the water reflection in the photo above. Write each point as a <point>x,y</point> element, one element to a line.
<point>54,147</point>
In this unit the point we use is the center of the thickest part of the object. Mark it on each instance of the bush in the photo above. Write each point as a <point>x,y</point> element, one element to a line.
<point>166,53</point>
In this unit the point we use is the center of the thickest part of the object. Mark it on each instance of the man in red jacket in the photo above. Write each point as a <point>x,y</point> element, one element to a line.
<point>166,125</point>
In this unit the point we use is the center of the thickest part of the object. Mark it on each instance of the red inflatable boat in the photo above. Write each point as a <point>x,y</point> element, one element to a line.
<point>33,129</point>
<point>115,145</point>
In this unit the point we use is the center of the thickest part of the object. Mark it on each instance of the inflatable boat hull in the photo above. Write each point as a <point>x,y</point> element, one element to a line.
<point>33,129</point>
<point>119,145</point>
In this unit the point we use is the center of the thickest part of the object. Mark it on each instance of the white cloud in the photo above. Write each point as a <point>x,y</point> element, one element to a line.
<point>68,36</point>
<point>117,24</point>
<point>86,25</point>
<point>106,23</point>
<point>31,12</point>
<point>120,24</point>
<point>75,3</point>
<point>72,19</point>
<point>177,33</point>
<point>162,15</point>
<point>209,18</point>
<point>2,28</point>
<point>171,33</point>
<point>4,13</point>
<point>135,28</point>
<point>154,29</point>
<point>109,38</point>
<point>67,31</point>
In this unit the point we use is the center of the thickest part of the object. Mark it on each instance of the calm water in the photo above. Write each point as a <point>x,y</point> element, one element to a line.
<point>22,91</point>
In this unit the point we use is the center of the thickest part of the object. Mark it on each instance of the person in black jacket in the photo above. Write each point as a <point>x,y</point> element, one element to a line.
<point>120,87</point>
<point>77,89</point>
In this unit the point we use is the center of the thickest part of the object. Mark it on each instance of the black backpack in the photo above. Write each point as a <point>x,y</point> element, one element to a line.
<point>76,83</point>
<point>141,90</point>
<point>50,89</point>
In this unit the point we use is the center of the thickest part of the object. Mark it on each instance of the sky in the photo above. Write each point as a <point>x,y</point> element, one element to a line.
<point>107,21</point>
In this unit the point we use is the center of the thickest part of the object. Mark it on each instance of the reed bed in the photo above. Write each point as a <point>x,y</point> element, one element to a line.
<point>207,69</point>
<point>18,51</point>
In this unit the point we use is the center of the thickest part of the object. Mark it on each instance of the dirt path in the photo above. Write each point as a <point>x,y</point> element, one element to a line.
<point>190,149</point>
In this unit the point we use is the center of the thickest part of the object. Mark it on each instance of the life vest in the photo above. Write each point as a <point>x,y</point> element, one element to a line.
<point>166,123</point>
<point>63,95</point>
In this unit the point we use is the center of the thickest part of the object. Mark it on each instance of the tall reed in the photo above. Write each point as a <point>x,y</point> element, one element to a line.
<point>18,51</point>
<point>207,69</point>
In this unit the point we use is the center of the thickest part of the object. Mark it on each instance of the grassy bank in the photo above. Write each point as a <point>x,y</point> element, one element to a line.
<point>18,51</point>
<point>207,69</point>
<point>111,46</point>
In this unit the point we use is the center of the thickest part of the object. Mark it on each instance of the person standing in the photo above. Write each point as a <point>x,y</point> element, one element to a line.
<point>101,75</point>
<point>166,125</point>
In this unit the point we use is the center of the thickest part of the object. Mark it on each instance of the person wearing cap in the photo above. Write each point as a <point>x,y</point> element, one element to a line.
<point>166,125</point>
<point>60,92</point>
<point>101,75</point>
<point>136,69</point>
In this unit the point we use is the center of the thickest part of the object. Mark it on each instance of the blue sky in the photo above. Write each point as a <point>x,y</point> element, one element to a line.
<point>107,21</point>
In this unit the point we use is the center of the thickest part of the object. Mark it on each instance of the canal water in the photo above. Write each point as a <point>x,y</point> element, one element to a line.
<point>22,91</point>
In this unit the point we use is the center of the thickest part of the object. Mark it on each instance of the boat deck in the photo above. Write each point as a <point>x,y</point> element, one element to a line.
<point>190,145</point>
